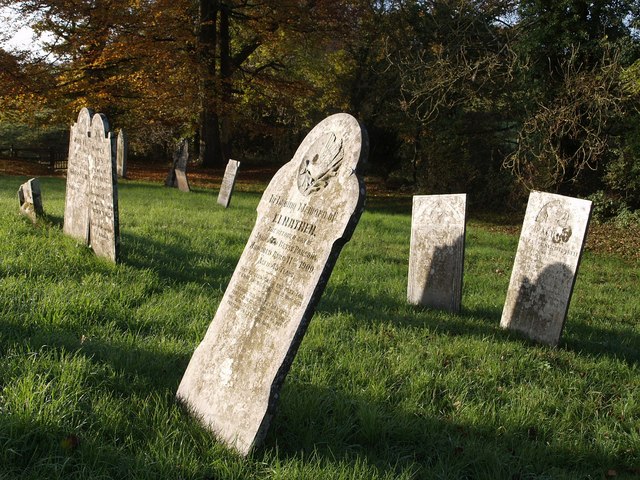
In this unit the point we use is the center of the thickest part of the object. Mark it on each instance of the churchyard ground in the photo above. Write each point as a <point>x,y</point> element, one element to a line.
<point>92,354</point>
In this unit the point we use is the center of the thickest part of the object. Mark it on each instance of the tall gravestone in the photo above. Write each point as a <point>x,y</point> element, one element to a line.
<point>122,151</point>
<point>30,199</point>
<point>228,182</point>
<point>177,176</point>
<point>546,266</point>
<point>307,213</point>
<point>436,255</point>
<point>91,199</point>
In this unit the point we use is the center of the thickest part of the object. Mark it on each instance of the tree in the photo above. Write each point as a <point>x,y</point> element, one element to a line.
<point>130,60</point>
<point>571,54</point>
<point>241,50</point>
<point>455,63</point>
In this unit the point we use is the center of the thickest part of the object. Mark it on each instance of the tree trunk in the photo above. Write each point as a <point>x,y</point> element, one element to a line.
<point>210,145</point>
<point>225,81</point>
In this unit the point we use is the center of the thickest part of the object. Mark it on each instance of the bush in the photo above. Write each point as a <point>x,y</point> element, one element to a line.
<point>608,208</point>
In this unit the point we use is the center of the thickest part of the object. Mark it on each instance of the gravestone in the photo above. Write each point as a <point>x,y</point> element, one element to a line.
<point>31,199</point>
<point>436,255</point>
<point>228,182</point>
<point>307,213</point>
<point>122,149</point>
<point>546,265</point>
<point>177,176</point>
<point>91,199</point>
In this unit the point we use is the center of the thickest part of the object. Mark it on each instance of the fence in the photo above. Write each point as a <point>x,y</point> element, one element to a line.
<point>54,156</point>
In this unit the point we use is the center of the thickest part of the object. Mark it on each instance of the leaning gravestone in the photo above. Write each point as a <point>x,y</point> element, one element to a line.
<point>31,199</point>
<point>546,266</point>
<point>91,199</point>
<point>122,148</point>
<point>307,213</point>
<point>228,182</point>
<point>437,251</point>
<point>177,176</point>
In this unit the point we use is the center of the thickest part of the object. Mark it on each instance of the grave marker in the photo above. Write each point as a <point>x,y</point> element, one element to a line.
<point>31,199</point>
<point>122,149</point>
<point>437,251</point>
<point>228,182</point>
<point>307,213</point>
<point>545,266</point>
<point>91,199</point>
<point>177,176</point>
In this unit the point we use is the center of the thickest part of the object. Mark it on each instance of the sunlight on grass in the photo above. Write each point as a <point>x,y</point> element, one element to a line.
<point>92,354</point>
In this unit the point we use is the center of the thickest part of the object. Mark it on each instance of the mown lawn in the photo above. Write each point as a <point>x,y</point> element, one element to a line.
<point>91,355</point>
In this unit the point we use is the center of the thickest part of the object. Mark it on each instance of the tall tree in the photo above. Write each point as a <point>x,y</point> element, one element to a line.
<point>455,64</point>
<point>572,54</point>
<point>132,60</point>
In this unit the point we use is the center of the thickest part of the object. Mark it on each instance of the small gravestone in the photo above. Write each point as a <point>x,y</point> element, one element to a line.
<point>31,199</point>
<point>228,182</point>
<point>91,198</point>
<point>546,265</point>
<point>305,216</point>
<point>437,251</point>
<point>122,148</point>
<point>177,176</point>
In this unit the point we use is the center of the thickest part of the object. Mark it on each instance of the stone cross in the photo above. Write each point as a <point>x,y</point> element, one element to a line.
<point>228,182</point>
<point>305,216</point>
<point>436,255</point>
<point>546,265</point>
<point>31,199</point>
<point>91,199</point>
<point>122,148</point>
<point>177,176</point>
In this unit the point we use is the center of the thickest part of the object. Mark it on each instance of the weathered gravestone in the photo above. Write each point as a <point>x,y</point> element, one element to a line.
<point>307,213</point>
<point>546,266</point>
<point>31,199</point>
<point>228,182</point>
<point>177,176</point>
<point>436,255</point>
<point>122,149</point>
<point>91,200</point>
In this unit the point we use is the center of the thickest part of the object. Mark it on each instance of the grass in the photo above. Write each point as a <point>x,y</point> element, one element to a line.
<point>92,354</point>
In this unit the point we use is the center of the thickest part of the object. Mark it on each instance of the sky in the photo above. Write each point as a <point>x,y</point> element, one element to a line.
<point>16,34</point>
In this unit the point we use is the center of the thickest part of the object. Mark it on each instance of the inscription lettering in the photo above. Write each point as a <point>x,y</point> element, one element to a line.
<point>306,214</point>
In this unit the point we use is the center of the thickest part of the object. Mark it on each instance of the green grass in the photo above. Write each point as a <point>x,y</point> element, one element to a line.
<point>91,355</point>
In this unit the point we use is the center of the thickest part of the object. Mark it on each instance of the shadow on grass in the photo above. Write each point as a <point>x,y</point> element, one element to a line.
<point>37,449</point>
<point>381,308</point>
<point>594,341</point>
<point>477,322</point>
<point>337,428</point>
<point>175,262</point>
<point>55,221</point>
<point>140,369</point>
<point>389,205</point>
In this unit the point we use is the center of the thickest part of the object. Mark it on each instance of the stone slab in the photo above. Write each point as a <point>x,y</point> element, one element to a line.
<point>436,255</point>
<point>306,214</point>
<point>122,151</point>
<point>76,209</point>
<point>30,198</point>
<point>181,181</point>
<point>545,266</point>
<point>228,182</point>
<point>177,176</point>
<point>91,198</point>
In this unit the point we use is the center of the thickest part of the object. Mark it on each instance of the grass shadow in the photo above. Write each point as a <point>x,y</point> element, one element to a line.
<point>336,427</point>
<point>478,322</point>
<point>594,341</point>
<point>175,262</point>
